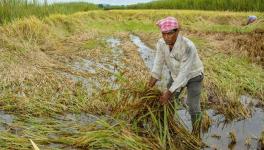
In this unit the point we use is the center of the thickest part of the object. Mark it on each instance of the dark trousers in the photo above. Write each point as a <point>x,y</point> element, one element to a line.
<point>194,87</point>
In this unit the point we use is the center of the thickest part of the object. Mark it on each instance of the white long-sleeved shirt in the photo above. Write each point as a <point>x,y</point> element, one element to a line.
<point>182,61</point>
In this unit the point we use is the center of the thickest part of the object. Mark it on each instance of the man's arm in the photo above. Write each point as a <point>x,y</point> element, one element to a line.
<point>158,66</point>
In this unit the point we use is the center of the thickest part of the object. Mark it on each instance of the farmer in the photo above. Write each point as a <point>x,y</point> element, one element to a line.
<point>186,69</point>
<point>251,19</point>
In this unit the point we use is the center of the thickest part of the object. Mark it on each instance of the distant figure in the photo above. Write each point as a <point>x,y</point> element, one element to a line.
<point>251,19</point>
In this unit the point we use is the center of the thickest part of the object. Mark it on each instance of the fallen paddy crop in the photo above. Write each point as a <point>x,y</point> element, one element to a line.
<point>37,88</point>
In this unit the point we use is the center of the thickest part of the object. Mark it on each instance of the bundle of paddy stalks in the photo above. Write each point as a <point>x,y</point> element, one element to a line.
<point>139,122</point>
<point>149,119</point>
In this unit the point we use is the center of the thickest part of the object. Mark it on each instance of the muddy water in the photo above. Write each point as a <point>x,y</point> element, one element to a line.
<point>146,53</point>
<point>90,84</point>
<point>117,55</point>
<point>5,120</point>
<point>82,118</point>
<point>117,52</point>
<point>247,130</point>
<point>93,84</point>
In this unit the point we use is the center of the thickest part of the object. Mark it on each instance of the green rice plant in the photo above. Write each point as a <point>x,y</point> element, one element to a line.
<point>232,5</point>
<point>13,9</point>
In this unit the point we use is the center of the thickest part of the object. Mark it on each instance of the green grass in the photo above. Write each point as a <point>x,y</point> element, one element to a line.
<point>13,9</point>
<point>231,5</point>
<point>92,44</point>
<point>201,21</point>
<point>221,72</point>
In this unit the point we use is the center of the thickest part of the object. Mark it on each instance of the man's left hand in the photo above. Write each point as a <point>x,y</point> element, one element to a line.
<point>165,97</point>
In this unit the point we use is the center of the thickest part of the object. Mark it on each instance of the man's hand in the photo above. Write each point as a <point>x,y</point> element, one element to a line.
<point>165,97</point>
<point>152,82</point>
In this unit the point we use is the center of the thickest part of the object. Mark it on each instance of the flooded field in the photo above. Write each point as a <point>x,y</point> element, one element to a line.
<point>78,87</point>
<point>247,131</point>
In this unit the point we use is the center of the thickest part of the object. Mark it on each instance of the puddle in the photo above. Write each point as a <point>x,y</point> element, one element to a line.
<point>91,66</point>
<point>248,101</point>
<point>114,42</point>
<point>82,118</point>
<point>5,120</point>
<point>186,118</point>
<point>244,129</point>
<point>90,84</point>
<point>146,53</point>
<point>248,129</point>
<point>148,56</point>
<point>84,65</point>
<point>70,123</point>
<point>116,52</point>
<point>111,65</point>
<point>218,134</point>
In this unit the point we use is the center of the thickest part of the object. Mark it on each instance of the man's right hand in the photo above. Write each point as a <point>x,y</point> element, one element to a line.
<point>152,82</point>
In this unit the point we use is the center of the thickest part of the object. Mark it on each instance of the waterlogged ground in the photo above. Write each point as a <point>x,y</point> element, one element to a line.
<point>247,130</point>
<point>93,83</point>
<point>69,84</point>
<point>217,137</point>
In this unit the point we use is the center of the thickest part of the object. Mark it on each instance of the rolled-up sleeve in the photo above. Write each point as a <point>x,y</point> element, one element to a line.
<point>158,62</point>
<point>185,68</point>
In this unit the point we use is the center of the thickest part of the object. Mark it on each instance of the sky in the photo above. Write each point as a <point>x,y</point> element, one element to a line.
<point>111,2</point>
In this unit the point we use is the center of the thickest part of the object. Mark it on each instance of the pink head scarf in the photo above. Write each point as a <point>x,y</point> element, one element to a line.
<point>168,24</point>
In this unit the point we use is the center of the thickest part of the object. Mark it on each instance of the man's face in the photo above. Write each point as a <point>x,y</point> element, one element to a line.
<point>170,37</point>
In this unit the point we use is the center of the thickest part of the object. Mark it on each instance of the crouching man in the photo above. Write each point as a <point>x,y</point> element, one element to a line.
<point>186,68</point>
